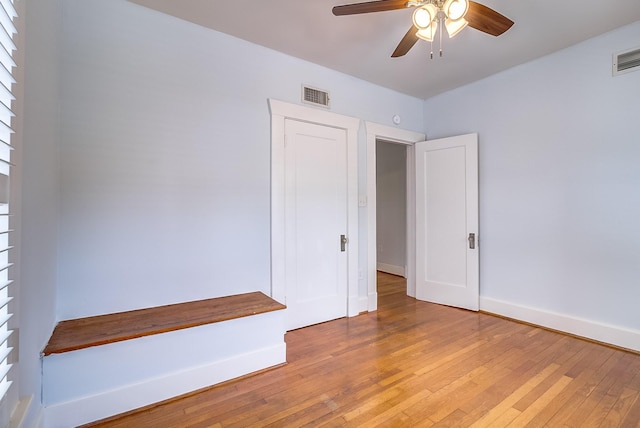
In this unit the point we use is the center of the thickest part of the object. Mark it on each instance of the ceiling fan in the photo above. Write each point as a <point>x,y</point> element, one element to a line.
<point>428,15</point>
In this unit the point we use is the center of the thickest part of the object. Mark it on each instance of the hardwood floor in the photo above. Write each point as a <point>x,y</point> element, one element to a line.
<point>414,364</point>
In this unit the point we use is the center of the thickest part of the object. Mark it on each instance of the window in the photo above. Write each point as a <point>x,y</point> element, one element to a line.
<point>7,65</point>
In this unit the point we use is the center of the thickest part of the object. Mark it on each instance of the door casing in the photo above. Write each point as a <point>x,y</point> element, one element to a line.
<point>279,112</point>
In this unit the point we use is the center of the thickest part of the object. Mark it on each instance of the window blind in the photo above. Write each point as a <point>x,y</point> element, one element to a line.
<point>7,65</point>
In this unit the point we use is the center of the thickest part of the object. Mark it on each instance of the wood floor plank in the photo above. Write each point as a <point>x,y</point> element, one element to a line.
<point>566,365</point>
<point>530,412</point>
<point>620,408</point>
<point>632,418</point>
<point>583,413</point>
<point>608,397</point>
<point>416,364</point>
<point>440,403</point>
<point>513,398</point>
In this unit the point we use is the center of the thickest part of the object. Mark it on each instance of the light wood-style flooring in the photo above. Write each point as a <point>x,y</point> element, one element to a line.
<point>416,364</point>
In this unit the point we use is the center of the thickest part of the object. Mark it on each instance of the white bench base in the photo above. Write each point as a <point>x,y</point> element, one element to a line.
<point>94,383</point>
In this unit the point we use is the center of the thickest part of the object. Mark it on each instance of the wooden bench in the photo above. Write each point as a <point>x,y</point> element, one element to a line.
<point>99,366</point>
<point>82,333</point>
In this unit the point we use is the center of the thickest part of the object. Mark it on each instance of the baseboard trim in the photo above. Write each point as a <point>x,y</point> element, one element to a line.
<point>588,329</point>
<point>91,408</point>
<point>353,306</point>
<point>373,302</point>
<point>392,269</point>
<point>363,304</point>
<point>19,416</point>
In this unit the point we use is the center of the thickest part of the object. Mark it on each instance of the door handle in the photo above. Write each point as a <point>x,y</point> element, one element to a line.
<point>472,240</point>
<point>343,241</point>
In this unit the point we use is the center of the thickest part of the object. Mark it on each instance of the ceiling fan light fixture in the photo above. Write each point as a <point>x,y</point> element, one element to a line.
<point>454,27</point>
<point>456,9</point>
<point>424,16</point>
<point>428,33</point>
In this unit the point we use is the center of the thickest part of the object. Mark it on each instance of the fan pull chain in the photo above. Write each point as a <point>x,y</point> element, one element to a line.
<point>432,37</point>
<point>440,36</point>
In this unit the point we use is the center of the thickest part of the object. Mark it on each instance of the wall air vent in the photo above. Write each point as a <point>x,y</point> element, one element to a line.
<point>315,96</point>
<point>626,61</point>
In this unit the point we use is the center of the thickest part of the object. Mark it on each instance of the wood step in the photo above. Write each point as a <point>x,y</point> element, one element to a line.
<point>82,333</point>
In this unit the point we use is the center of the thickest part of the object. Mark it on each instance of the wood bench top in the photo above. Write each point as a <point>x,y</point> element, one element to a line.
<point>82,333</point>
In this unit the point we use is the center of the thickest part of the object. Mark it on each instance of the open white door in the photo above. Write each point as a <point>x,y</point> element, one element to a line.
<point>447,259</point>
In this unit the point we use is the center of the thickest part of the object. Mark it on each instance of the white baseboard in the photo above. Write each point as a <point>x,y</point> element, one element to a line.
<point>363,304</point>
<point>353,306</point>
<point>28,414</point>
<point>21,412</point>
<point>372,302</point>
<point>392,269</point>
<point>613,335</point>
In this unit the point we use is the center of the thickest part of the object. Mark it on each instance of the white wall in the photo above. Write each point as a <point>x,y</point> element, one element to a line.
<point>391,207</point>
<point>36,182</point>
<point>559,181</point>
<point>165,159</point>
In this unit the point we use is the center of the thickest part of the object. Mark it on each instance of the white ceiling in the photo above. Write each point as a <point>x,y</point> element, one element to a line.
<point>361,45</point>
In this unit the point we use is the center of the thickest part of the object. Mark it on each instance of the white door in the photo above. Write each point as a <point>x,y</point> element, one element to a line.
<point>447,221</point>
<point>315,221</point>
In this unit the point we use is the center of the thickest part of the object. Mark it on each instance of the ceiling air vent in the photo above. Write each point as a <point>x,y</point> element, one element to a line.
<point>315,96</point>
<point>626,61</point>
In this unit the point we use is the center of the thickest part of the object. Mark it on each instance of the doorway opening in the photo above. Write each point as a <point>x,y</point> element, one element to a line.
<point>375,133</point>
<point>391,208</point>
<point>442,181</point>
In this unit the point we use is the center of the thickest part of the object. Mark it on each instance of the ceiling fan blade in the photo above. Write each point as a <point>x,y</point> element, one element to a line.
<point>406,43</point>
<point>367,7</point>
<point>486,19</point>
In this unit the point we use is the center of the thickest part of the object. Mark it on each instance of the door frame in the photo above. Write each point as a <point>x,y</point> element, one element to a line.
<point>389,134</point>
<point>280,111</point>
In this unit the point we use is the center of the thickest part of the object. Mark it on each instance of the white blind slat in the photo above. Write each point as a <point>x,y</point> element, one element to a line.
<point>5,113</point>
<point>6,97</point>
<point>4,353</point>
<point>5,131</point>
<point>4,369</point>
<point>5,335</point>
<point>6,21</point>
<point>6,77</point>
<point>6,59</point>
<point>6,41</point>
<point>4,387</point>
<point>5,301</point>
<point>7,5</point>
